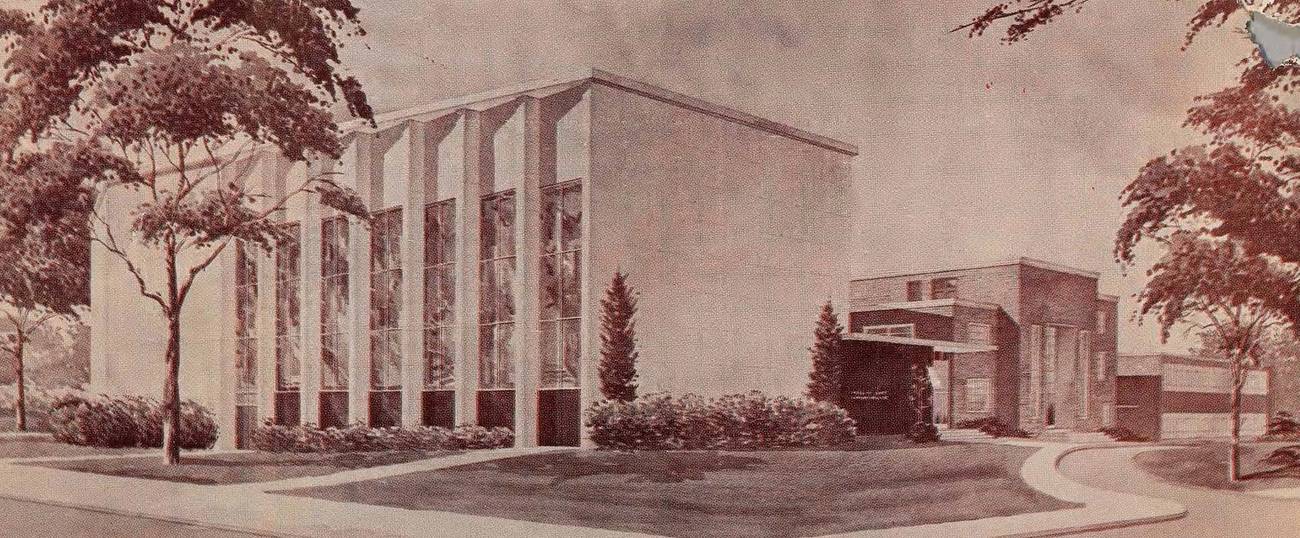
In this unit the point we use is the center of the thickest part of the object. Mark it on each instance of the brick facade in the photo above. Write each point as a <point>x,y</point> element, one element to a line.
<point>1020,302</point>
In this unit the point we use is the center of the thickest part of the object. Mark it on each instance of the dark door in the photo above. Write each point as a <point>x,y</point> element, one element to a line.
<point>559,417</point>
<point>876,379</point>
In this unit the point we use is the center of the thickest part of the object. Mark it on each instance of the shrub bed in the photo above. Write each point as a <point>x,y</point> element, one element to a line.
<point>734,422</point>
<point>1120,433</point>
<point>128,421</point>
<point>1282,427</point>
<point>40,403</point>
<point>360,438</point>
<point>993,427</point>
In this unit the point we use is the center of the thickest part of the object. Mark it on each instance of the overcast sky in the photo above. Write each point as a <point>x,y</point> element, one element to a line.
<point>972,151</point>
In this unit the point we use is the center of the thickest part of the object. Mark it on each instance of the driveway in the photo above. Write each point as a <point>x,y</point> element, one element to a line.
<point>1209,512</point>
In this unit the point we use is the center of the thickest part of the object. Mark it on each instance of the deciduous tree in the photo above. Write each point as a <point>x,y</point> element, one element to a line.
<point>44,274</point>
<point>159,107</point>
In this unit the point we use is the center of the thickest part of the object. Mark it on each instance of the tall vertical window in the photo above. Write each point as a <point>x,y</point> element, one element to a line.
<point>385,314</point>
<point>288,326</point>
<point>333,321</point>
<point>496,291</point>
<point>561,289</point>
<point>1102,321</point>
<point>439,295</point>
<point>438,400</point>
<point>245,343</point>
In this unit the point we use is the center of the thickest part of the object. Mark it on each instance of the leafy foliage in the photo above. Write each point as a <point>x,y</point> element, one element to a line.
<point>114,422</point>
<point>167,107</point>
<point>733,422</point>
<point>362,438</point>
<point>992,426</point>
<point>826,377</point>
<point>618,352</point>
<point>921,397</point>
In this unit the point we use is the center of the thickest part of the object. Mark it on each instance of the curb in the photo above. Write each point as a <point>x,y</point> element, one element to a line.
<point>151,517</point>
<point>24,436</point>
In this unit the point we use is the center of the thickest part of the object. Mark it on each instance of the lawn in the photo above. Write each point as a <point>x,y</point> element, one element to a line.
<point>1206,465</point>
<point>688,493</point>
<point>240,468</point>
<point>40,448</point>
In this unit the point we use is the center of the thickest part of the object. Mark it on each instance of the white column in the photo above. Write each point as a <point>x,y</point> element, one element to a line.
<point>271,185</point>
<point>467,267</point>
<point>413,275</point>
<point>527,327</point>
<point>368,168</point>
<point>226,375</point>
<point>309,264</point>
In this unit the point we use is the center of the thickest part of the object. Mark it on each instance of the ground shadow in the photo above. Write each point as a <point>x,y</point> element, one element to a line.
<point>656,467</point>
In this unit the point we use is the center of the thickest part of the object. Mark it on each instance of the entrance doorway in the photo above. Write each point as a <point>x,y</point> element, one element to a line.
<point>940,380</point>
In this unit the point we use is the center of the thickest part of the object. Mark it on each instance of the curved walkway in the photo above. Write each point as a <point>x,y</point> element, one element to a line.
<point>1209,512</point>
<point>1101,509</point>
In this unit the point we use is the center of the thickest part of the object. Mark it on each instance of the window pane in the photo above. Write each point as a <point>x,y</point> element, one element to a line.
<point>505,295</point>
<point>246,364</point>
<point>549,354</point>
<point>486,293</point>
<point>571,221</point>
<point>439,370</point>
<point>551,209</point>
<point>572,279</point>
<point>288,365</point>
<point>505,355</point>
<point>550,288</point>
<point>572,352</point>
<point>505,225</point>
<point>486,357</point>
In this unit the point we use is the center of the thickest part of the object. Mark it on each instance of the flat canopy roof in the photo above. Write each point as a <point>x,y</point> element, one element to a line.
<point>942,346</point>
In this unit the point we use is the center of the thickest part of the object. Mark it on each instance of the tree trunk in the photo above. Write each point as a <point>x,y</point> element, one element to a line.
<point>172,393</point>
<point>20,405</point>
<point>1234,450</point>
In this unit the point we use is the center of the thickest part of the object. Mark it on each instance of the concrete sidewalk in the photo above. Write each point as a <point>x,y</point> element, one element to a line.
<point>255,508</point>
<point>250,508</point>
<point>1102,509</point>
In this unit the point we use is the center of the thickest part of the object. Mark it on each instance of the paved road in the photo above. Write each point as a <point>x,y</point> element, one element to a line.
<point>1209,513</point>
<point>19,518</point>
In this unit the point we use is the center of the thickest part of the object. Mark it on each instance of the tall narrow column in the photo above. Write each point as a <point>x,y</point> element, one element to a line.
<point>226,350</point>
<point>467,265</point>
<point>413,274</point>
<point>368,168</point>
<point>272,185</point>
<point>527,243</point>
<point>309,264</point>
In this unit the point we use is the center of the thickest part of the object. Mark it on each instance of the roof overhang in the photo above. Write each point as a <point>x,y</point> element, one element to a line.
<point>932,303</point>
<point>942,346</point>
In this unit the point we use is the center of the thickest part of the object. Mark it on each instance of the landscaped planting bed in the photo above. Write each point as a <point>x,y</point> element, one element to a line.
<point>1206,465</point>
<point>239,468</point>
<point>696,493</point>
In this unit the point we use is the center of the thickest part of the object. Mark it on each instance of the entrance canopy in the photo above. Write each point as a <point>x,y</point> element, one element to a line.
<point>941,346</point>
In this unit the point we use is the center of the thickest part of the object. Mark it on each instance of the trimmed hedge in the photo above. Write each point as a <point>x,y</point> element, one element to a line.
<point>40,402</point>
<point>361,438</point>
<point>992,427</point>
<point>127,421</point>
<point>733,422</point>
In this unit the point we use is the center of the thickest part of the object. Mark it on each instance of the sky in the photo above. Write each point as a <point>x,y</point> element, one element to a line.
<point>971,150</point>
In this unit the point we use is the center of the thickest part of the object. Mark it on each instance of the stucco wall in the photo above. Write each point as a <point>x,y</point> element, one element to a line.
<point>733,236</point>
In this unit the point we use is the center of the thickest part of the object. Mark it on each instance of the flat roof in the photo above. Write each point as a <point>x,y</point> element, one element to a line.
<point>1031,262</point>
<point>932,303</point>
<point>561,82</point>
<point>942,346</point>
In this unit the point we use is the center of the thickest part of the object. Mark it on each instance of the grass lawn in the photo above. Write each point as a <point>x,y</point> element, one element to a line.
<point>1206,465</point>
<point>240,468</point>
<point>688,493</point>
<point>39,448</point>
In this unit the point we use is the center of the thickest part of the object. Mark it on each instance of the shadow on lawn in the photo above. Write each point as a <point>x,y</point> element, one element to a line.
<point>656,467</point>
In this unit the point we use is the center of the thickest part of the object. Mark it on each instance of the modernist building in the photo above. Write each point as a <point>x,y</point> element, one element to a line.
<point>473,295</point>
<point>1029,342</point>
<point>1165,396</point>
